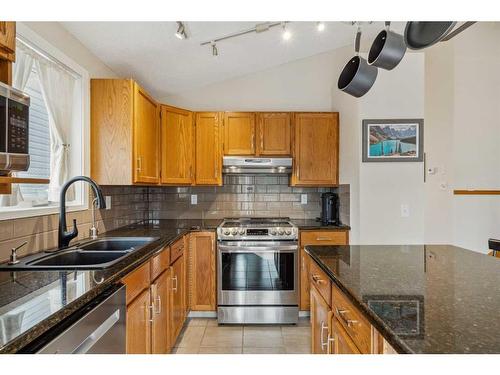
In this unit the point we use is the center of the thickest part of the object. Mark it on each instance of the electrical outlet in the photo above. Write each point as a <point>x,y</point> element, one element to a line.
<point>303,198</point>
<point>405,210</point>
<point>107,199</point>
<point>194,199</point>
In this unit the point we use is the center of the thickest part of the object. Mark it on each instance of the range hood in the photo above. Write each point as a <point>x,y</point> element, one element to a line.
<point>256,165</point>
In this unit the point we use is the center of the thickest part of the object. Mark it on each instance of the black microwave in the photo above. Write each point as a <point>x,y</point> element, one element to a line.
<point>14,130</point>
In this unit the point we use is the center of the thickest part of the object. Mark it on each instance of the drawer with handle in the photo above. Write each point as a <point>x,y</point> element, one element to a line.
<point>323,237</point>
<point>176,250</point>
<point>321,281</point>
<point>160,263</point>
<point>358,328</point>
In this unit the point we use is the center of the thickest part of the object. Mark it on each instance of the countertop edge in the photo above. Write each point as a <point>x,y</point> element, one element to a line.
<point>378,323</point>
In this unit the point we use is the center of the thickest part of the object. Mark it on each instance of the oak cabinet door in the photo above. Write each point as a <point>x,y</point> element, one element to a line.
<point>239,133</point>
<point>316,149</point>
<point>320,312</point>
<point>342,343</point>
<point>146,138</point>
<point>160,294</point>
<point>305,296</point>
<point>177,146</point>
<point>138,325</point>
<point>208,139</point>
<point>202,277</point>
<point>7,40</point>
<point>177,298</point>
<point>274,134</point>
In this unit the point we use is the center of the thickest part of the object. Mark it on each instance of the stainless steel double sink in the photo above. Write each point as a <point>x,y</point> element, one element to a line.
<point>96,254</point>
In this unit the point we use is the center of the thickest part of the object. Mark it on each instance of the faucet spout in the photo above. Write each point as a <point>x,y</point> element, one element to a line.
<point>64,237</point>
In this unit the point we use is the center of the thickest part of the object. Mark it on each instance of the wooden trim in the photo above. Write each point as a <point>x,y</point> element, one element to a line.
<point>476,192</point>
<point>23,180</point>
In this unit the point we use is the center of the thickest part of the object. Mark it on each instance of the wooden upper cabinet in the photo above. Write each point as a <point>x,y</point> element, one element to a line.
<point>208,148</point>
<point>316,149</point>
<point>146,134</point>
<point>239,133</point>
<point>7,40</point>
<point>124,133</point>
<point>177,146</point>
<point>202,275</point>
<point>273,134</point>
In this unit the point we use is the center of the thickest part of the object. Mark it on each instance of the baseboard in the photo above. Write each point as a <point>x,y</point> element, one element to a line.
<point>202,314</point>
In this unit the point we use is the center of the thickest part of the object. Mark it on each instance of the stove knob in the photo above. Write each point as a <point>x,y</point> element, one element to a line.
<point>288,232</point>
<point>234,232</point>
<point>273,233</point>
<point>227,233</point>
<point>281,232</point>
<point>242,232</point>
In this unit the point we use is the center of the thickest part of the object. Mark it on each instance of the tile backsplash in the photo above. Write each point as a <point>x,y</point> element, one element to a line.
<point>261,196</point>
<point>240,195</point>
<point>129,205</point>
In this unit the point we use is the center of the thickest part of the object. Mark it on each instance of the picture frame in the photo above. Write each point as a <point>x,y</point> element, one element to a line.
<point>393,140</point>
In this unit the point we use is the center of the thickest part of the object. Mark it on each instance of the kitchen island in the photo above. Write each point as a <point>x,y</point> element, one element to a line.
<point>419,298</point>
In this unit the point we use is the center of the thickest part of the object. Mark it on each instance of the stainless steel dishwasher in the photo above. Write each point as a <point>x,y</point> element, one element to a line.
<point>99,328</point>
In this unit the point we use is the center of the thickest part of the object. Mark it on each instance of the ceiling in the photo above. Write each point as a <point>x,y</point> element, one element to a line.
<point>166,65</point>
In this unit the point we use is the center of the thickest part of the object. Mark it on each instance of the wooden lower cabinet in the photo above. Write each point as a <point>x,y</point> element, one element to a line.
<point>339,340</point>
<point>138,324</point>
<point>160,296</point>
<point>315,237</point>
<point>320,313</point>
<point>177,299</point>
<point>202,275</point>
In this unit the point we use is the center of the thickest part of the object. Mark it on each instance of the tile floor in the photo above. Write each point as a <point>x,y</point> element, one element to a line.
<point>204,336</point>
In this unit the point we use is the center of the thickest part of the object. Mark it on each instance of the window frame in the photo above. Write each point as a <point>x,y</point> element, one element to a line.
<point>81,149</point>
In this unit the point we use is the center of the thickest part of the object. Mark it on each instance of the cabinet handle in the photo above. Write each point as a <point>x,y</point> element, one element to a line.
<point>158,300</point>
<point>139,164</point>
<point>317,279</point>
<point>323,239</point>
<point>191,172</point>
<point>151,308</point>
<point>341,313</point>
<point>253,142</point>
<point>174,288</point>
<point>330,340</point>
<point>322,336</point>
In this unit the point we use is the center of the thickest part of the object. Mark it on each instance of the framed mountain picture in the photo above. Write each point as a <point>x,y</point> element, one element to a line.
<point>400,140</point>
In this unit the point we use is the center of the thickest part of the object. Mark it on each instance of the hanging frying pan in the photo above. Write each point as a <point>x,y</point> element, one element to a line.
<point>357,77</point>
<point>422,34</point>
<point>387,49</point>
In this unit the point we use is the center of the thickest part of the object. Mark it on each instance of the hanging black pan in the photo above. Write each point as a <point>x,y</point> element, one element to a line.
<point>422,34</point>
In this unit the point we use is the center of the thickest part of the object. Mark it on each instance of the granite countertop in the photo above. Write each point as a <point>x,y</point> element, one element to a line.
<point>422,299</point>
<point>313,224</point>
<point>32,302</point>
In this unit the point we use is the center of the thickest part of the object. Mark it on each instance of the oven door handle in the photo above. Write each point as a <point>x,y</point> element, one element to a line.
<point>264,249</point>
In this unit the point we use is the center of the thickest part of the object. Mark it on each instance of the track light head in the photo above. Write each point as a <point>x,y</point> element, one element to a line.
<point>320,26</point>
<point>181,31</point>
<point>286,33</point>
<point>215,51</point>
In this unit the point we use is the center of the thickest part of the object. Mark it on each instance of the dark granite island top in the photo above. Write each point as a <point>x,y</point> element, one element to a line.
<point>422,299</point>
<point>32,302</point>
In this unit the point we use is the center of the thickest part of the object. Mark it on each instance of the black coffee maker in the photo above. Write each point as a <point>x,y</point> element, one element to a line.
<point>330,209</point>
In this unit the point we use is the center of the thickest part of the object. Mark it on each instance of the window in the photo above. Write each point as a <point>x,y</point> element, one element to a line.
<point>58,127</point>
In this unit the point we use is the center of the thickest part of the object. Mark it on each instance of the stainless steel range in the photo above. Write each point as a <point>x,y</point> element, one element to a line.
<point>257,271</point>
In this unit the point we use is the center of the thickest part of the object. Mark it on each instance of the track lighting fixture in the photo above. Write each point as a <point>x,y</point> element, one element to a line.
<point>215,51</point>
<point>320,26</point>
<point>181,31</point>
<point>286,33</point>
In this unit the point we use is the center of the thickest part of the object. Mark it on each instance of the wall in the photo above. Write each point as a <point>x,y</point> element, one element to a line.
<point>462,104</point>
<point>257,195</point>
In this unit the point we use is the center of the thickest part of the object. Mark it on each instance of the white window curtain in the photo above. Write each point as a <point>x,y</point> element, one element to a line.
<point>58,90</point>
<point>21,73</point>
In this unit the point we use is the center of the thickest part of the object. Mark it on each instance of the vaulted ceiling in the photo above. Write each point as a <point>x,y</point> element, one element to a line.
<point>166,65</point>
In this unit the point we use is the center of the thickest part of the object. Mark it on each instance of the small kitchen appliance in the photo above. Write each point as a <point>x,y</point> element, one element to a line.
<point>330,209</point>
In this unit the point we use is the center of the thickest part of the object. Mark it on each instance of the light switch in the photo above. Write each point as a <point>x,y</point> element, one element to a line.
<point>303,198</point>
<point>194,199</point>
<point>405,210</point>
<point>107,199</point>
